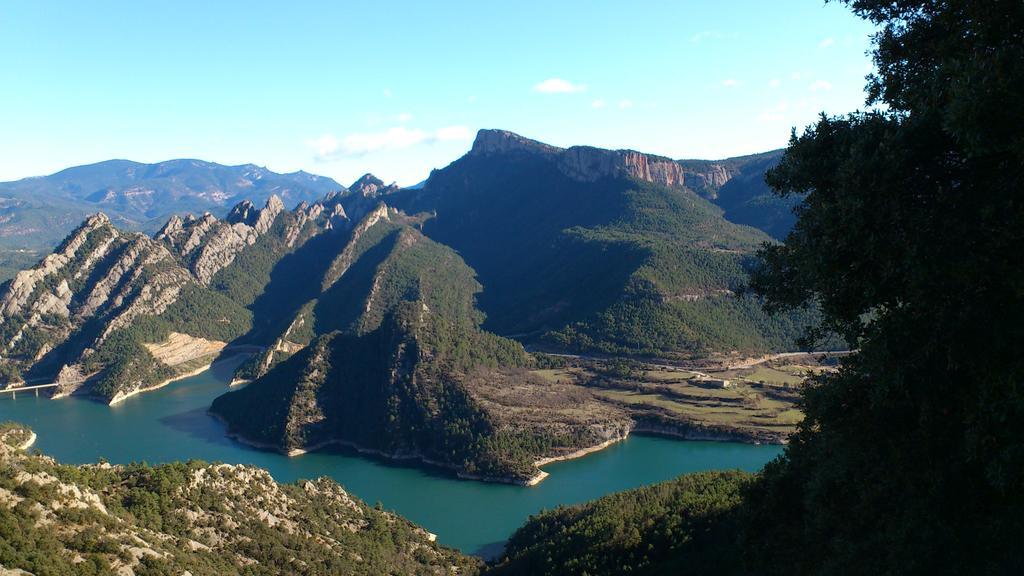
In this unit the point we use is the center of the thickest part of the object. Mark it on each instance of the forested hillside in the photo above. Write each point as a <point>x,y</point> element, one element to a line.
<point>576,251</point>
<point>196,518</point>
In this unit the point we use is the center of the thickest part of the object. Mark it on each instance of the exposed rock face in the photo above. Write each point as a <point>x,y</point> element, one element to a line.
<point>363,196</point>
<point>180,348</point>
<point>244,212</point>
<point>588,164</point>
<point>368,185</point>
<point>17,297</point>
<point>269,213</point>
<point>584,163</point>
<point>713,177</point>
<point>490,142</point>
<point>69,379</point>
<point>101,278</point>
<point>209,245</point>
<point>345,259</point>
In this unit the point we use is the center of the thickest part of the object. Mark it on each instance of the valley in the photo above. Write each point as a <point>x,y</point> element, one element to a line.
<point>171,424</point>
<point>377,310</point>
<point>368,321</point>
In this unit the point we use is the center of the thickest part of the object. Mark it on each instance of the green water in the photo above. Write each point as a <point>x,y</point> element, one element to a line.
<point>172,424</point>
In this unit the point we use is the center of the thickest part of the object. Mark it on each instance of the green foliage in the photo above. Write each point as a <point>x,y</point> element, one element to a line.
<point>13,261</point>
<point>171,507</point>
<point>747,199</point>
<point>598,265</point>
<point>126,365</point>
<point>207,314</point>
<point>910,459</point>
<point>396,389</point>
<point>684,526</point>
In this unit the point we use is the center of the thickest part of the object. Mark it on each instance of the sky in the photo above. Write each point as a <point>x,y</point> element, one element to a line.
<point>399,88</point>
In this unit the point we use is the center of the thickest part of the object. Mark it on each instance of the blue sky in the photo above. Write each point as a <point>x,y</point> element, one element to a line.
<point>398,88</point>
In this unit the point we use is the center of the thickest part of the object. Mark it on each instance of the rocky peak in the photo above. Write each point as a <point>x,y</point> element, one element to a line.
<point>337,219</point>
<point>93,238</point>
<point>490,142</point>
<point>96,220</point>
<point>173,226</point>
<point>370,186</point>
<point>268,214</point>
<point>244,212</point>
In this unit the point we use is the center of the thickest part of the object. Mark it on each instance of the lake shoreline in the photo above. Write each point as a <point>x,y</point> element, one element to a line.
<point>172,425</point>
<point>28,443</point>
<point>118,398</point>
<point>643,429</point>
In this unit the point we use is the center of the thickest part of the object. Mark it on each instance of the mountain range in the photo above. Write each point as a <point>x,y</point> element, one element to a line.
<point>394,320</point>
<point>38,212</point>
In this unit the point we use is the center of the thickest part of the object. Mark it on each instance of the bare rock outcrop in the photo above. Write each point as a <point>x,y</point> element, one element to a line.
<point>584,163</point>
<point>22,288</point>
<point>208,245</point>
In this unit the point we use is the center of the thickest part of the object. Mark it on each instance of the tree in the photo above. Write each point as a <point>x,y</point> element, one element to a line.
<point>911,240</point>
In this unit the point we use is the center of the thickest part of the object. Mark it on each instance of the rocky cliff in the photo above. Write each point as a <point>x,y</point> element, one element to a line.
<point>61,317</point>
<point>98,281</point>
<point>584,163</point>
<point>589,164</point>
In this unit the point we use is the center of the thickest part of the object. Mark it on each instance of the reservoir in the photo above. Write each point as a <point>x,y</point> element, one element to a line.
<point>476,517</point>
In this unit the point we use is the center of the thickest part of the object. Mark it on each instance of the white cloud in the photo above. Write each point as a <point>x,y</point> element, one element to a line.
<point>404,117</point>
<point>820,85</point>
<point>558,86</point>
<point>387,93</point>
<point>623,104</point>
<point>701,36</point>
<point>826,43</point>
<point>730,83</point>
<point>324,145</point>
<point>359,144</point>
<point>774,83</point>
<point>598,104</point>
<point>796,75</point>
<point>450,133</point>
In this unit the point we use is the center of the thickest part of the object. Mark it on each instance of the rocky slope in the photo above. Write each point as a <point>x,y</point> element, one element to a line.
<point>196,518</point>
<point>81,314</point>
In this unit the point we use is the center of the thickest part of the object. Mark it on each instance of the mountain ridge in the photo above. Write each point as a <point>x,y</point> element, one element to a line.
<point>35,211</point>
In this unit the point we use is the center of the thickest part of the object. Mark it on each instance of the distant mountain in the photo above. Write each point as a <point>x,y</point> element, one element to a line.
<point>38,212</point>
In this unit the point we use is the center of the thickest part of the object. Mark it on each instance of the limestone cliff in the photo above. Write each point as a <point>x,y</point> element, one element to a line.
<point>57,319</point>
<point>98,281</point>
<point>207,245</point>
<point>589,164</point>
<point>585,163</point>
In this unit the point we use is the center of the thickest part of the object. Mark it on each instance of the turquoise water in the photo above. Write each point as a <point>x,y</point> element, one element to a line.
<point>172,424</point>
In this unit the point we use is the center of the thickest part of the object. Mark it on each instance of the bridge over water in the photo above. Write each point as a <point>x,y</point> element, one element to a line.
<point>37,387</point>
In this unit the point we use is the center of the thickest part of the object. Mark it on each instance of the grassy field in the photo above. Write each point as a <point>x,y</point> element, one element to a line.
<point>739,406</point>
<point>786,375</point>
